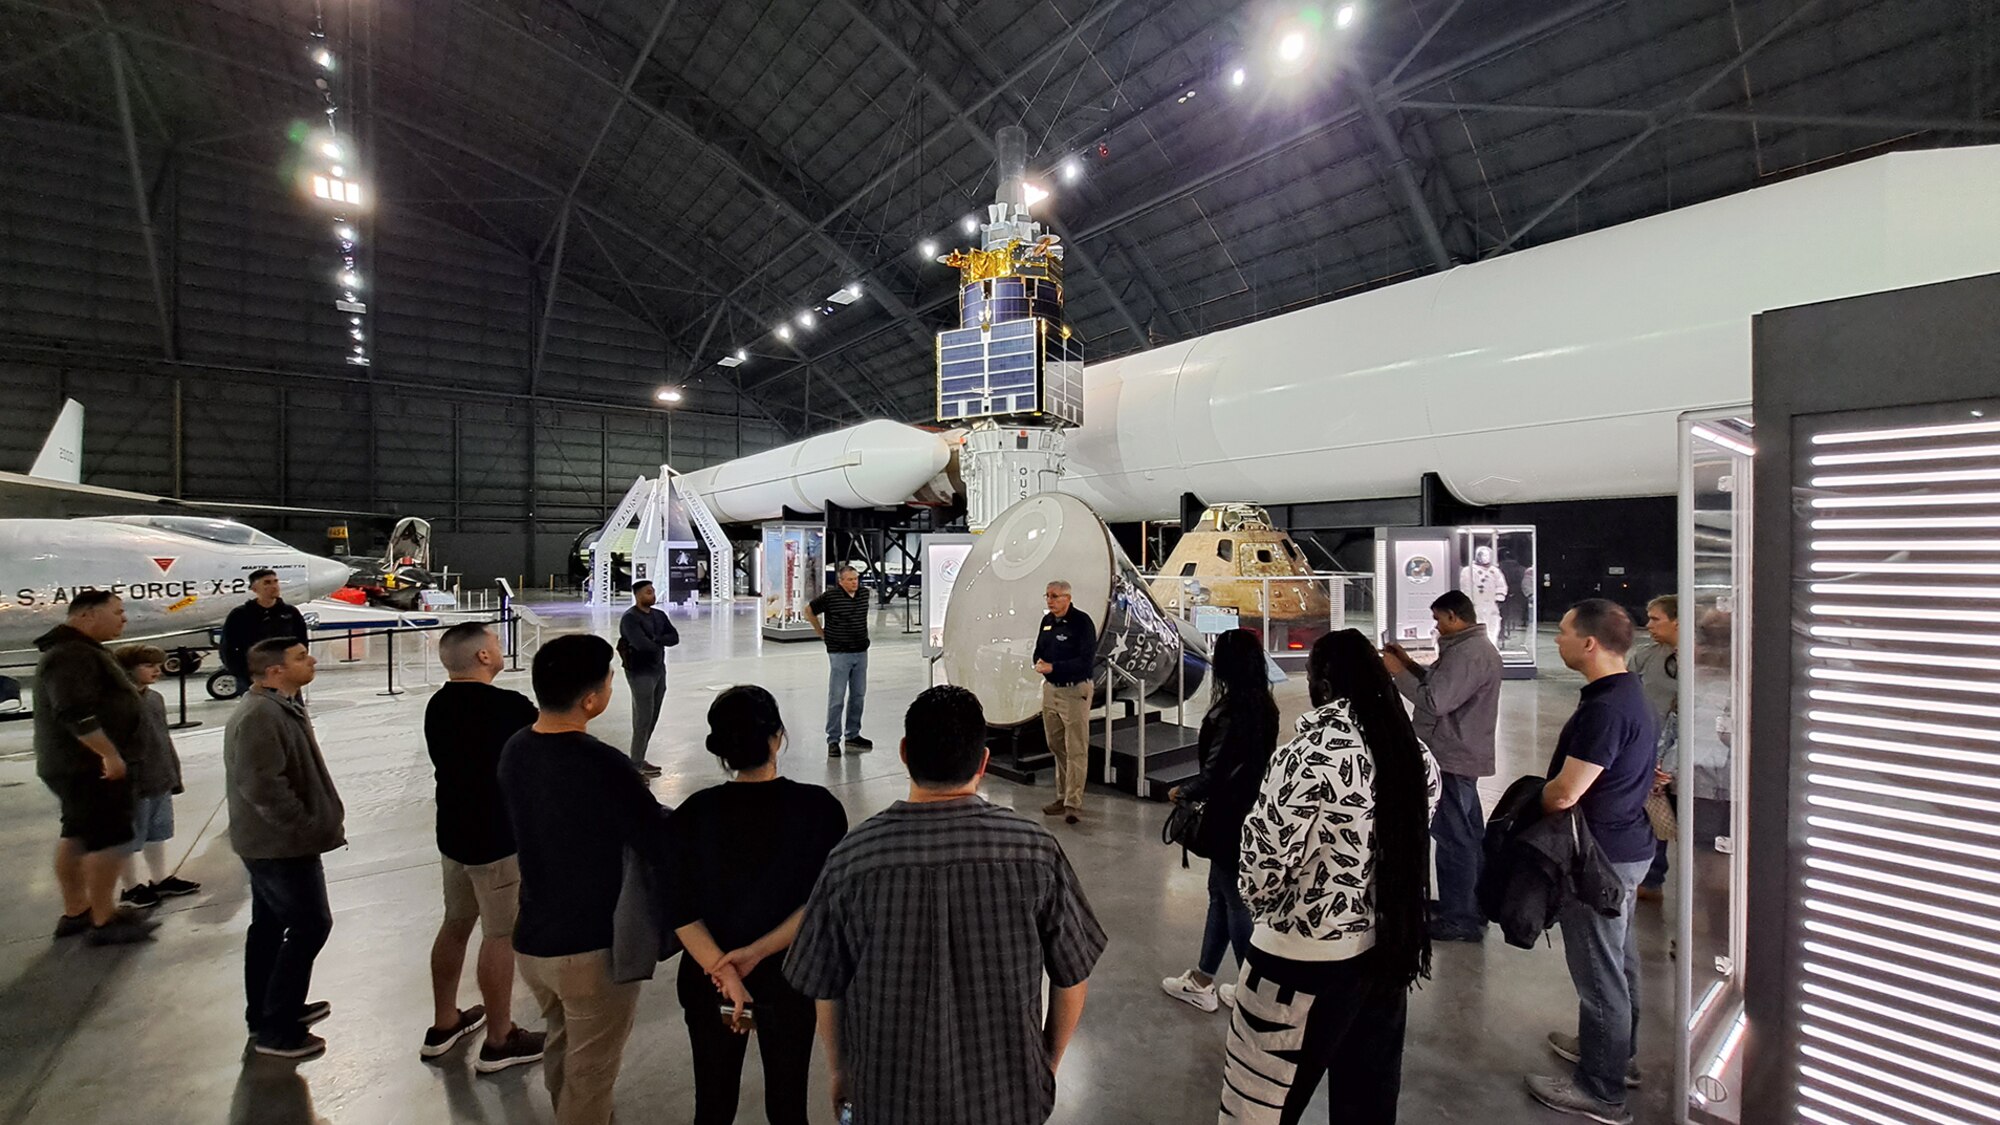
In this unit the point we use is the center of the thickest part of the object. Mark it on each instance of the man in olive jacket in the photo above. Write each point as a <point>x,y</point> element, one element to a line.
<point>283,815</point>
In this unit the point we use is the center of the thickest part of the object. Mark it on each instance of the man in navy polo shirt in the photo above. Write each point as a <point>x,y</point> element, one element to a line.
<point>1603,768</point>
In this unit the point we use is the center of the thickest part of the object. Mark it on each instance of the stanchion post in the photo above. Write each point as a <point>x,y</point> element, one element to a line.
<point>181,674</point>
<point>390,664</point>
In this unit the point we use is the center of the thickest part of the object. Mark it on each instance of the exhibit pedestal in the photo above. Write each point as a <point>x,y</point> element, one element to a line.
<point>1173,755</point>
<point>1019,752</point>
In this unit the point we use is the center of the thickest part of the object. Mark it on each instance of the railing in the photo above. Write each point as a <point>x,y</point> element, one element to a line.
<point>1288,611</point>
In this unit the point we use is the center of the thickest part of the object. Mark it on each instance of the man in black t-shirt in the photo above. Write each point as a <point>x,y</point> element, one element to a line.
<point>576,806</point>
<point>264,616</point>
<point>466,724</point>
<point>1603,768</point>
<point>845,630</point>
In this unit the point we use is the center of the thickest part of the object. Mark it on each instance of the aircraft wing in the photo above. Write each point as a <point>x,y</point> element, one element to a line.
<point>28,497</point>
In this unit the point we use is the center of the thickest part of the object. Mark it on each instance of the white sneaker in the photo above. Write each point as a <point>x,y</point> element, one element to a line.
<point>1184,989</point>
<point>1227,994</point>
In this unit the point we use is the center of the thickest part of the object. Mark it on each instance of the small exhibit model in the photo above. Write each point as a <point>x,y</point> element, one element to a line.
<point>1233,558</point>
<point>794,574</point>
<point>997,607</point>
<point>1012,370</point>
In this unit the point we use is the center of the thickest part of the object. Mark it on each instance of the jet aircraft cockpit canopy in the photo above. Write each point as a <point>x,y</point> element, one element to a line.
<point>227,532</point>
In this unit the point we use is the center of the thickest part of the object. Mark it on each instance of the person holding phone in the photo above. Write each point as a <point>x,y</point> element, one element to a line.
<point>746,855</point>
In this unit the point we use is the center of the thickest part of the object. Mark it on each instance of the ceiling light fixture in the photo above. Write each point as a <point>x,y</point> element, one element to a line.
<point>1035,193</point>
<point>668,394</point>
<point>927,249</point>
<point>784,331</point>
<point>971,224</point>
<point>324,58</point>
<point>806,319</point>
<point>1072,170</point>
<point>1292,47</point>
<point>1237,77</point>
<point>1344,17</point>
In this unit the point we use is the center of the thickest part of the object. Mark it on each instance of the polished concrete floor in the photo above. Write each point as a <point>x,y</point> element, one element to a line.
<point>153,1033</point>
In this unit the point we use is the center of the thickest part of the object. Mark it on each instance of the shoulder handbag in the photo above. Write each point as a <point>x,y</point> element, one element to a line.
<point>1184,828</point>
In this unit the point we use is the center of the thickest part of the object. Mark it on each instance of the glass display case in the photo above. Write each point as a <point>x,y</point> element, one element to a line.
<point>794,574</point>
<point>1492,565</point>
<point>1709,762</point>
<point>1496,569</point>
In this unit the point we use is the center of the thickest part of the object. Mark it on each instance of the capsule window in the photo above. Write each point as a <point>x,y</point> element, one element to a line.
<point>1225,549</point>
<point>1187,570</point>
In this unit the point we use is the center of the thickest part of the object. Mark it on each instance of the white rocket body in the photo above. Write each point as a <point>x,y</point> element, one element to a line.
<point>1553,374</point>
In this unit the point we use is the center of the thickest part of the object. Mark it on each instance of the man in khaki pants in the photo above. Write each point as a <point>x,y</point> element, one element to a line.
<point>1066,656</point>
<point>576,806</point>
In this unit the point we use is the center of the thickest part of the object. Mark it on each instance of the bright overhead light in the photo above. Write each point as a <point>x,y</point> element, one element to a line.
<point>345,234</point>
<point>741,355</point>
<point>846,294</point>
<point>332,150</point>
<point>1072,170</point>
<point>927,249</point>
<point>784,331</point>
<point>1292,47</point>
<point>1237,77</point>
<point>350,279</point>
<point>354,332</point>
<point>971,224</point>
<point>1344,16</point>
<point>730,360</point>
<point>806,319</point>
<point>354,320</point>
<point>338,171</point>
<point>1034,193</point>
<point>668,394</point>
<point>324,58</point>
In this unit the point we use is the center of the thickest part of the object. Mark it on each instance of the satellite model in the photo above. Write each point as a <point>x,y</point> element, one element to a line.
<point>1235,559</point>
<point>1012,371</point>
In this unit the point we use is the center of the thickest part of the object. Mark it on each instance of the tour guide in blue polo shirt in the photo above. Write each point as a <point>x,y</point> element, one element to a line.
<point>1066,656</point>
<point>1604,769</point>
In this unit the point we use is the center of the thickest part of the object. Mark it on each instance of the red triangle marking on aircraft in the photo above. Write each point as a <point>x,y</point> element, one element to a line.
<point>165,565</point>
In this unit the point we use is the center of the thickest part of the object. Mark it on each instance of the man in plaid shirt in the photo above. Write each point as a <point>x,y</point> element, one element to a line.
<point>927,937</point>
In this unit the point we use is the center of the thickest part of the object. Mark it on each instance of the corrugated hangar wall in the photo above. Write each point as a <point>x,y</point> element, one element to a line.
<point>440,425</point>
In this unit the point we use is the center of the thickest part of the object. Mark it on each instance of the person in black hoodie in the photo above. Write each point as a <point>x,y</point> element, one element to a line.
<point>1237,737</point>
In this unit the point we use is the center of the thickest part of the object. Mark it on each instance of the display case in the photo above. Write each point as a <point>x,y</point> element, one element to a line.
<point>1492,565</point>
<point>794,574</point>
<point>1496,569</point>
<point>1709,762</point>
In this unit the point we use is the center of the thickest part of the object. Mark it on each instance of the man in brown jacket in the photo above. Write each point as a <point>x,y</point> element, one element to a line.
<point>283,815</point>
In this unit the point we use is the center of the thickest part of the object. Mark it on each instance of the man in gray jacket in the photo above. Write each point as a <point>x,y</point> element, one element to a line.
<point>283,815</point>
<point>1457,704</point>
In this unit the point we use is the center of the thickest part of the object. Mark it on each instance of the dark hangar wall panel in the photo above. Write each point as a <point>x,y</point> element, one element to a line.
<point>268,409</point>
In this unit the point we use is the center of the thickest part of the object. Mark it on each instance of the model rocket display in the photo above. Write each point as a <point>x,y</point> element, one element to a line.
<point>1012,370</point>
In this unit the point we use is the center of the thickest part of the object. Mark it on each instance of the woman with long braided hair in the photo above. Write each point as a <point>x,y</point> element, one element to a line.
<point>1336,872</point>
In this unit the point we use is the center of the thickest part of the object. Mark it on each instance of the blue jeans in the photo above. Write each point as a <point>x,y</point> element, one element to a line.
<point>289,923</point>
<point>1460,831</point>
<point>1603,956</point>
<point>1229,922</point>
<point>846,682</point>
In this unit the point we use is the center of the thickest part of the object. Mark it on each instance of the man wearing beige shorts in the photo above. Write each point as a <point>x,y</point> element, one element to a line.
<point>1066,657</point>
<point>466,724</point>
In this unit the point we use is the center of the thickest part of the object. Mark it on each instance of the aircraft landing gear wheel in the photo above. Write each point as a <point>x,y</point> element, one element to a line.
<point>224,685</point>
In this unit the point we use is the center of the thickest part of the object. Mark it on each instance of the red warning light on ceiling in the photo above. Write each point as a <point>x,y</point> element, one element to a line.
<point>1103,151</point>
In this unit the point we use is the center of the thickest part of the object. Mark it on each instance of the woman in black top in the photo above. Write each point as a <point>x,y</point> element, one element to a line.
<point>747,853</point>
<point>1237,737</point>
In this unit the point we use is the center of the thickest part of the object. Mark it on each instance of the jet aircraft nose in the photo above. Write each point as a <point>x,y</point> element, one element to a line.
<point>324,576</point>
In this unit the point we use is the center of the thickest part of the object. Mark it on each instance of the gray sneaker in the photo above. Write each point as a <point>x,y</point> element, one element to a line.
<point>1561,1095</point>
<point>1568,1049</point>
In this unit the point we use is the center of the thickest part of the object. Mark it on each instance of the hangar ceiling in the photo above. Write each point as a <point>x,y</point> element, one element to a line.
<point>716,168</point>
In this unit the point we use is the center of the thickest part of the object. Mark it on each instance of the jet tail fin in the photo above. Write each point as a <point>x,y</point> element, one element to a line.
<point>61,458</point>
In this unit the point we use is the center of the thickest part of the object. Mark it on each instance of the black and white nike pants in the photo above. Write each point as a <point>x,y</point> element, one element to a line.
<point>1299,1021</point>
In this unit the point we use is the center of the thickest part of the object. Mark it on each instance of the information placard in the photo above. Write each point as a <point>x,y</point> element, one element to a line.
<point>941,556</point>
